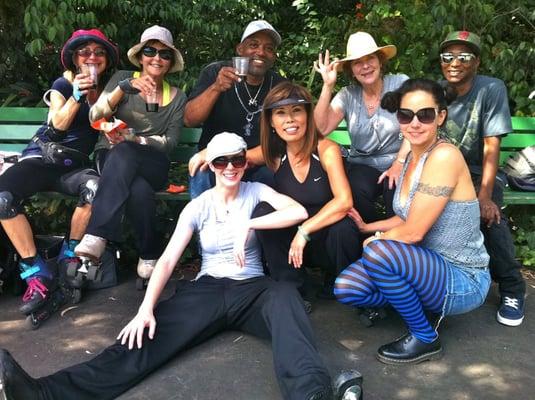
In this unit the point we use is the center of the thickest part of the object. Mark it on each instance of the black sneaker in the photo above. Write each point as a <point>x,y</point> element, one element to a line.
<point>15,383</point>
<point>511,311</point>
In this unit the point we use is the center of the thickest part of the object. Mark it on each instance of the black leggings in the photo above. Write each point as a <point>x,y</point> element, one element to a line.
<point>32,175</point>
<point>130,175</point>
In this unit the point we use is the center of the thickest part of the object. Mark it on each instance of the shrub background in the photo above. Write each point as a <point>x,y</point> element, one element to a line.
<point>33,31</point>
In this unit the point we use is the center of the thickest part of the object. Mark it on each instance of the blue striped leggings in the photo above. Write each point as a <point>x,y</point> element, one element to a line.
<point>408,277</point>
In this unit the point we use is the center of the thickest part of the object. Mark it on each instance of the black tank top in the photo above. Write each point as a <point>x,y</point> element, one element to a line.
<point>313,193</point>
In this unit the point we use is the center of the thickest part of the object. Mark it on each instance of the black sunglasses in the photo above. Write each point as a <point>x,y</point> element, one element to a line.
<point>236,161</point>
<point>165,54</point>
<point>424,115</point>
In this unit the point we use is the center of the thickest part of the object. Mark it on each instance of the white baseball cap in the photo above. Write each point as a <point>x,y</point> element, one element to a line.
<point>261,25</point>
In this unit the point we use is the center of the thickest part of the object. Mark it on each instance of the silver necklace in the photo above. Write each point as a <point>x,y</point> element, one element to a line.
<point>252,100</point>
<point>248,127</point>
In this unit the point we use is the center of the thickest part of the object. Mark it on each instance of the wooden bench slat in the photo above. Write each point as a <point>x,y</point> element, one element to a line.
<point>19,124</point>
<point>17,132</point>
<point>17,115</point>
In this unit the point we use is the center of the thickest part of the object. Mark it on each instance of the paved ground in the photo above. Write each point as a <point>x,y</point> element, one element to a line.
<point>482,359</point>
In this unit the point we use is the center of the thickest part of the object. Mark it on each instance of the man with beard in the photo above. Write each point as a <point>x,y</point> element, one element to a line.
<point>224,101</point>
<point>477,120</point>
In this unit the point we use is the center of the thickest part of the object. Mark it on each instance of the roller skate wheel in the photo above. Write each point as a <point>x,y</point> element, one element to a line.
<point>72,269</point>
<point>76,296</point>
<point>348,385</point>
<point>140,283</point>
<point>32,322</point>
<point>92,272</point>
<point>365,319</point>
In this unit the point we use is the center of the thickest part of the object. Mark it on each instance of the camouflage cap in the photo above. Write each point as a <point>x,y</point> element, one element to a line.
<point>463,37</point>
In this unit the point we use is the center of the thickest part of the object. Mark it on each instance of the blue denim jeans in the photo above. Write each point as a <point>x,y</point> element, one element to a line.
<point>466,289</point>
<point>204,180</point>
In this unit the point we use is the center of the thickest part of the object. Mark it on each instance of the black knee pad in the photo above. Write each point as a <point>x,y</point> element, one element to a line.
<point>7,209</point>
<point>87,191</point>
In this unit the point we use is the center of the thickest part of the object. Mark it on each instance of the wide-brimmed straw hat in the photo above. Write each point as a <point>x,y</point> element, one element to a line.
<point>163,36</point>
<point>82,36</point>
<point>361,44</point>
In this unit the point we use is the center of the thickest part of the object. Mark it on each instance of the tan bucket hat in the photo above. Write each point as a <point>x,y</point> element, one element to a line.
<point>361,44</point>
<point>163,36</point>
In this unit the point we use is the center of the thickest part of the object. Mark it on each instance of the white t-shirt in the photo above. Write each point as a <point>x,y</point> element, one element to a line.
<point>217,226</point>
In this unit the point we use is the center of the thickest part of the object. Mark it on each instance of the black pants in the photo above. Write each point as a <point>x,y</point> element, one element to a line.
<point>197,311</point>
<point>366,191</point>
<point>504,268</point>
<point>340,241</point>
<point>130,175</point>
<point>32,175</point>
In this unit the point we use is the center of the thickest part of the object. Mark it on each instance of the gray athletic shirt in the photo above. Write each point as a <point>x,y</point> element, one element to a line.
<point>217,227</point>
<point>374,139</point>
<point>161,129</point>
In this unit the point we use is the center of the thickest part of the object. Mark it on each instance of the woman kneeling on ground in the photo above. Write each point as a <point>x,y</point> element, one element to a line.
<point>310,170</point>
<point>430,255</point>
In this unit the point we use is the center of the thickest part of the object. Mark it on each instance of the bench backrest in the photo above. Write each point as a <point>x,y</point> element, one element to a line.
<point>19,124</point>
<point>523,135</point>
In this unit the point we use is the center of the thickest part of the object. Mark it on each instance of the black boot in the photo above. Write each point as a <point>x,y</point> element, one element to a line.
<point>409,350</point>
<point>15,383</point>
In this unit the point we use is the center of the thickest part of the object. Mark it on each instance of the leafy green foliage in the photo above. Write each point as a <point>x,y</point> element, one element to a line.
<point>209,30</point>
<point>523,225</point>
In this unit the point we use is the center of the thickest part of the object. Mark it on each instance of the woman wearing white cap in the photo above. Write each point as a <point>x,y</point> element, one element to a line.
<point>133,167</point>
<point>375,158</point>
<point>230,292</point>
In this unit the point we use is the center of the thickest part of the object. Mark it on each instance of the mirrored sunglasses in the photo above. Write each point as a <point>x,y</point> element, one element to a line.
<point>424,115</point>
<point>464,58</point>
<point>88,52</point>
<point>236,161</point>
<point>165,54</point>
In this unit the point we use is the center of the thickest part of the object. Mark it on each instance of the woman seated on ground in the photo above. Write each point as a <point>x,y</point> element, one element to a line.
<point>133,167</point>
<point>230,292</point>
<point>38,170</point>
<point>430,256</point>
<point>311,171</point>
<point>376,155</point>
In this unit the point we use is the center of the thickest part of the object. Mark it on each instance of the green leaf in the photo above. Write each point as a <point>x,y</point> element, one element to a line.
<point>51,33</point>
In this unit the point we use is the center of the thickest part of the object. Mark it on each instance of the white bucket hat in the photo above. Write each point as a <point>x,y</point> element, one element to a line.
<point>361,44</point>
<point>224,144</point>
<point>163,36</point>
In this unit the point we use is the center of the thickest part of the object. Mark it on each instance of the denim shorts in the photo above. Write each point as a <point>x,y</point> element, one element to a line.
<point>466,289</point>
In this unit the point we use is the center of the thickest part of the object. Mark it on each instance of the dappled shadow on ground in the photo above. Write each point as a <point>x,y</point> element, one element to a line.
<point>482,359</point>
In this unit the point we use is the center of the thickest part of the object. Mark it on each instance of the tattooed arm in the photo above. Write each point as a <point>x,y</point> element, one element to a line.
<point>445,177</point>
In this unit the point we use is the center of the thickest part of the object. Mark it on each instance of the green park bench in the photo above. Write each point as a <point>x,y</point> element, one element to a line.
<point>18,125</point>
